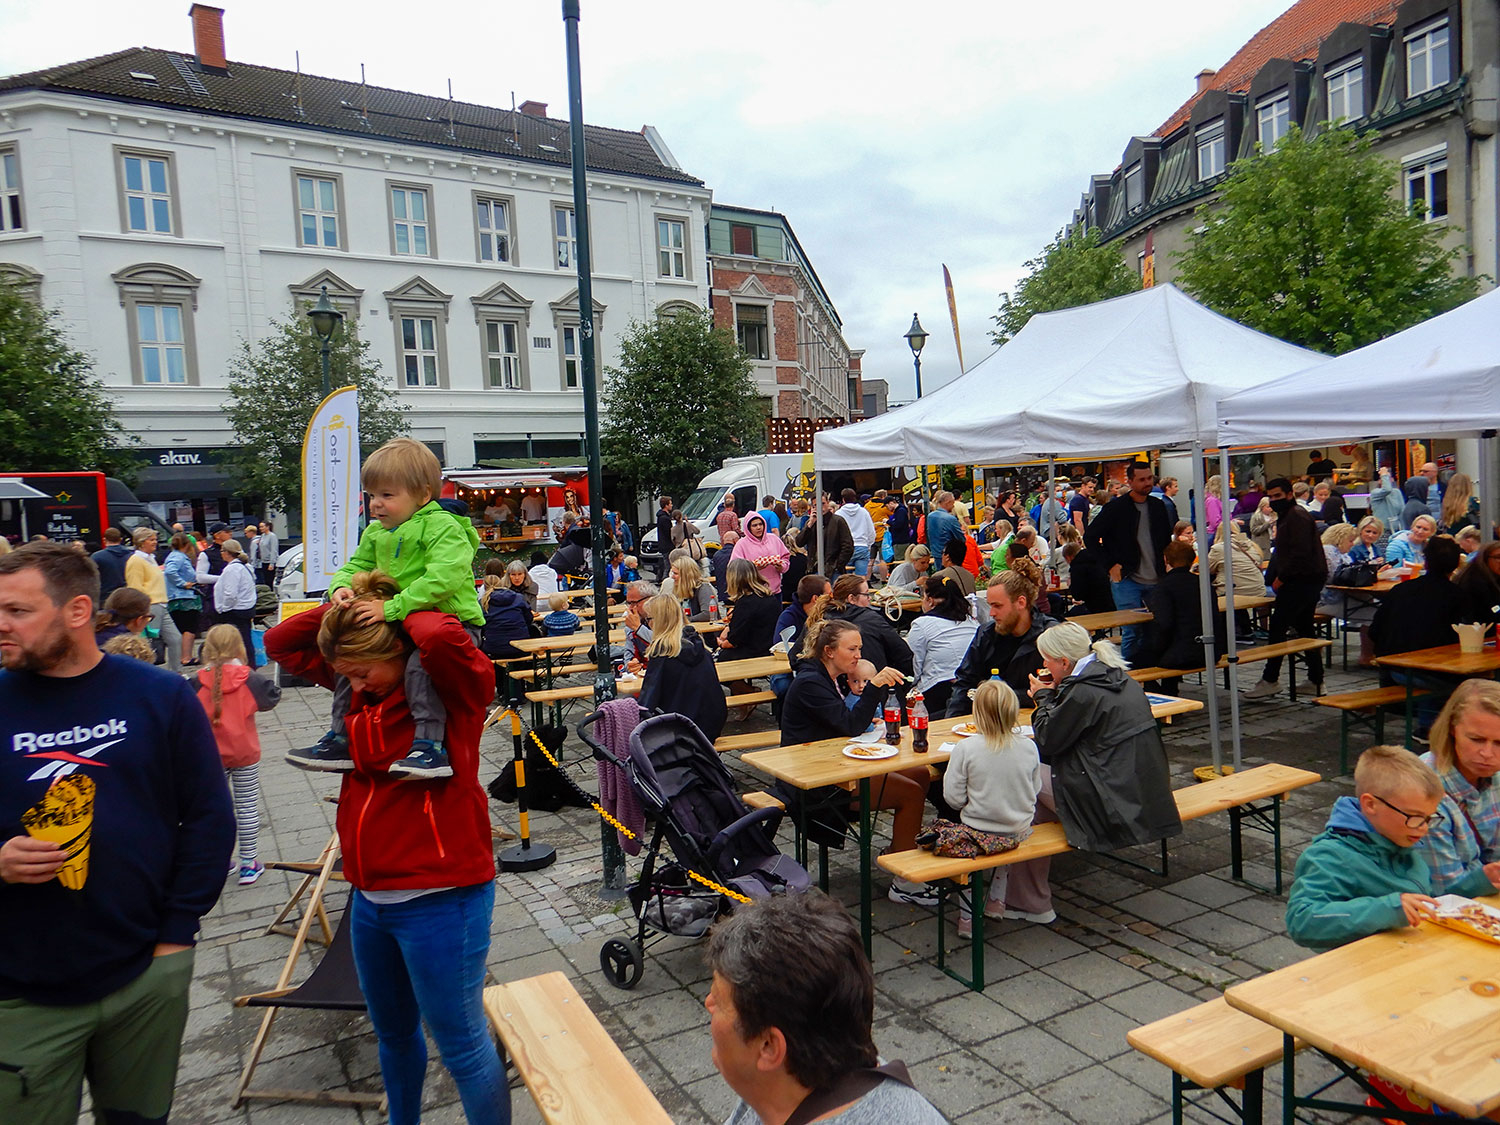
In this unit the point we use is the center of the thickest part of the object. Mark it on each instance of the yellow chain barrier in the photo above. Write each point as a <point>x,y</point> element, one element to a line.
<point>627,833</point>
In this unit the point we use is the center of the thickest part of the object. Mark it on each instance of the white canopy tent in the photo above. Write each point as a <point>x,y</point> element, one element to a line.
<point>1141,371</point>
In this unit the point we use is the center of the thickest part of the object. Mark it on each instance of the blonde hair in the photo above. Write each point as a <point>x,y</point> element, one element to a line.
<point>1455,510</point>
<point>822,635</point>
<point>1384,771</point>
<point>1371,521</point>
<point>1003,528</point>
<point>1340,535</point>
<point>492,582</point>
<point>406,464</point>
<point>141,535</point>
<point>667,623</point>
<point>342,637</point>
<point>1482,695</point>
<point>744,579</point>
<point>917,551</point>
<point>557,602</point>
<point>689,578</point>
<point>221,644</point>
<point>132,644</point>
<point>996,710</point>
<point>1070,641</point>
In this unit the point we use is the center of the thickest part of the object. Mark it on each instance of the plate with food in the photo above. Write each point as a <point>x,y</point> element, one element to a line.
<point>1467,917</point>
<point>1025,731</point>
<point>965,730</point>
<point>870,751</point>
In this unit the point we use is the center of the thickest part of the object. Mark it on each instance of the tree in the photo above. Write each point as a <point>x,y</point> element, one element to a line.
<point>275,386</point>
<point>54,412</point>
<point>681,401</point>
<point>1313,243</point>
<point>1073,270</point>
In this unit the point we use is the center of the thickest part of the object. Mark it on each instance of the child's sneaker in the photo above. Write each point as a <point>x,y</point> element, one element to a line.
<point>249,872</point>
<point>329,753</point>
<point>427,760</point>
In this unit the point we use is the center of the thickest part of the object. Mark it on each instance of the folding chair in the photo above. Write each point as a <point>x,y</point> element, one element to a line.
<point>309,872</point>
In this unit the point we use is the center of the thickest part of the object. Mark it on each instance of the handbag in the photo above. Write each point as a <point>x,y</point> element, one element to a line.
<point>693,544</point>
<point>957,840</point>
<point>1355,574</point>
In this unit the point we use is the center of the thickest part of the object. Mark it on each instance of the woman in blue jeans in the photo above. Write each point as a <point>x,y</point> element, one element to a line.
<point>418,853</point>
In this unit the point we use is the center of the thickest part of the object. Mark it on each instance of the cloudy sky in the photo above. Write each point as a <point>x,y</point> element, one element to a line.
<point>895,137</point>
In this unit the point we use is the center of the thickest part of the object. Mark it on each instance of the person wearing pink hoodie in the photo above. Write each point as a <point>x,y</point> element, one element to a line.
<point>763,550</point>
<point>232,694</point>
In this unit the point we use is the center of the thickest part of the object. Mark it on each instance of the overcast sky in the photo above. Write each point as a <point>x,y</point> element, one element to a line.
<point>894,137</point>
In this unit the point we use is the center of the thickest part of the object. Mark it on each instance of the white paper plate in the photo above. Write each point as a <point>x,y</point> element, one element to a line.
<point>1024,731</point>
<point>964,730</point>
<point>870,752</point>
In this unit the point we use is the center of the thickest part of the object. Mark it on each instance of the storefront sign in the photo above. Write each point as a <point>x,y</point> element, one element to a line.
<point>330,487</point>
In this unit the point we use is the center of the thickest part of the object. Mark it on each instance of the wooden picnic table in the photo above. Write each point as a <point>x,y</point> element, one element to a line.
<point>1114,619</point>
<point>816,765</point>
<point>1418,1007</point>
<point>728,671</point>
<point>584,638</point>
<point>1248,601</point>
<point>1445,660</point>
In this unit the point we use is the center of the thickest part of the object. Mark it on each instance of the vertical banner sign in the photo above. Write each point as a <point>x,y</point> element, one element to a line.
<point>330,488</point>
<point>953,316</point>
<point>1148,263</point>
<point>979,497</point>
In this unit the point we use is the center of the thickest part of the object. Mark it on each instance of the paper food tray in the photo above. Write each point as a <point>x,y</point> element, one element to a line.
<point>1468,917</point>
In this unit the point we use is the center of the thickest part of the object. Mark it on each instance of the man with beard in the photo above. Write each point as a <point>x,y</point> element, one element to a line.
<point>116,827</point>
<point>1009,648</point>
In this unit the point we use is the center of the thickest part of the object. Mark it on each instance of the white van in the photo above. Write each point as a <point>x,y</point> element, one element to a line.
<point>783,475</point>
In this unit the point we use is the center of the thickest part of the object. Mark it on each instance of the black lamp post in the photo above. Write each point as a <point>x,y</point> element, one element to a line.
<point>326,320</point>
<point>916,337</point>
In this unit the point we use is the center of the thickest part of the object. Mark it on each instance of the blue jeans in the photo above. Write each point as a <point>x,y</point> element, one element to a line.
<point>861,561</point>
<point>1130,594</point>
<point>424,960</point>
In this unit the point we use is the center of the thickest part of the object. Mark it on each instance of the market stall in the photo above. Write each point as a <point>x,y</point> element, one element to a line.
<point>514,508</point>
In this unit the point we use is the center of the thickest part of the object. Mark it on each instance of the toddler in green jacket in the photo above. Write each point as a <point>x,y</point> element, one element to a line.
<point>429,552</point>
<point>1362,874</point>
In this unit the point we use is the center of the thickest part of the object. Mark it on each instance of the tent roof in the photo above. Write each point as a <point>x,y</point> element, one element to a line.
<point>1143,370</point>
<point>1437,378</point>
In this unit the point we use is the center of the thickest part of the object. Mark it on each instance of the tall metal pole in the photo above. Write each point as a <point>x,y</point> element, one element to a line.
<point>1206,603</point>
<point>604,680</point>
<point>326,364</point>
<point>917,363</point>
<point>1229,622</point>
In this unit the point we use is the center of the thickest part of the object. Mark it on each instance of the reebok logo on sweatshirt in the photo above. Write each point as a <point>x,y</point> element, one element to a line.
<point>60,762</point>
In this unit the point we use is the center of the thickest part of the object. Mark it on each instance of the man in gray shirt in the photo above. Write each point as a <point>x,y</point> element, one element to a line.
<point>1129,534</point>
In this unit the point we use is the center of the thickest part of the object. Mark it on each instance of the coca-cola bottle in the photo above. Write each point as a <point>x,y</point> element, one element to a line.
<point>916,717</point>
<point>892,720</point>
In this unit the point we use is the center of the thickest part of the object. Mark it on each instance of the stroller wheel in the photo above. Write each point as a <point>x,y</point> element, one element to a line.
<point>622,962</point>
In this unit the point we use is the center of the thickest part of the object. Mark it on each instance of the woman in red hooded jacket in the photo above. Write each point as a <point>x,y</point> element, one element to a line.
<point>417,852</point>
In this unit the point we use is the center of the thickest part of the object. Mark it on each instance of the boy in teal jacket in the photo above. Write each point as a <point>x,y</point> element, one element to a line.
<point>1362,874</point>
<point>429,552</point>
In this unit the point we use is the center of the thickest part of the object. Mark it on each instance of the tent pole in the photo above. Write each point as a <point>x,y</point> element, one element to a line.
<point>1206,607</point>
<point>817,519</point>
<point>1487,485</point>
<point>1047,494</point>
<point>1229,642</point>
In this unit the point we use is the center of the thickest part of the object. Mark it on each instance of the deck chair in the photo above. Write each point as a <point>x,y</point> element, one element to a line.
<point>332,986</point>
<point>309,871</point>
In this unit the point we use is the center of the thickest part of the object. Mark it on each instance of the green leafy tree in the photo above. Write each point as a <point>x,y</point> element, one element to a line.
<point>680,401</point>
<point>1313,243</point>
<point>1073,270</point>
<point>274,387</point>
<point>55,413</point>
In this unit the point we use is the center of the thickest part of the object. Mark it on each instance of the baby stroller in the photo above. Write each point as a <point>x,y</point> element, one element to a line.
<point>689,798</point>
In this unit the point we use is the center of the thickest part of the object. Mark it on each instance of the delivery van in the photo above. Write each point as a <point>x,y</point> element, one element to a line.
<point>77,506</point>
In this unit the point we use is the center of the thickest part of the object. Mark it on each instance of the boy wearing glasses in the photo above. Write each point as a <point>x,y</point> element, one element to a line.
<point>1362,874</point>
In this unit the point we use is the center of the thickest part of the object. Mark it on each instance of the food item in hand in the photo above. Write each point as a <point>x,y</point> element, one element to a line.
<point>65,817</point>
<point>1468,916</point>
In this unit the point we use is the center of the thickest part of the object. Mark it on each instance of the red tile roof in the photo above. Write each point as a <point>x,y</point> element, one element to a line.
<point>1295,34</point>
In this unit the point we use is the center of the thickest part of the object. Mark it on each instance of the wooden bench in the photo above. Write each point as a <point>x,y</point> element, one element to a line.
<point>1213,1047</point>
<point>755,740</point>
<point>1243,656</point>
<point>527,675</point>
<point>1352,705</point>
<point>762,800</point>
<point>574,1071</point>
<point>1251,797</point>
<point>750,698</point>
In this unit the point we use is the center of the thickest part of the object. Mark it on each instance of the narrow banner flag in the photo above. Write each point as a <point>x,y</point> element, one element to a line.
<point>953,316</point>
<point>330,488</point>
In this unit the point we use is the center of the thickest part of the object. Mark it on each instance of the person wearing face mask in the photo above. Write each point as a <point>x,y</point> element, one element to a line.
<point>1297,573</point>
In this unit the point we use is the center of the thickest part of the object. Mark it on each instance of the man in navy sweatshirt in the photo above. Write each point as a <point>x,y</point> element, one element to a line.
<point>115,832</point>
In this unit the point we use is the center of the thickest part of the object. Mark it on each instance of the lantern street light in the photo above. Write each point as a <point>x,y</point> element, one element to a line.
<point>916,337</point>
<point>325,320</point>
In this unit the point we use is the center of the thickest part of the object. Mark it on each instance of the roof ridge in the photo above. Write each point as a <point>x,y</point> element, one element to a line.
<point>63,70</point>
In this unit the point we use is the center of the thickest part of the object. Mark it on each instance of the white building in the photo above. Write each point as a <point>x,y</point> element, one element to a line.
<point>171,205</point>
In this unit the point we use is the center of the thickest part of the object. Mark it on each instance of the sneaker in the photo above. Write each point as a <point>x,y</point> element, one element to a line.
<point>427,760</point>
<point>1263,689</point>
<point>1046,918</point>
<point>329,753</point>
<point>995,910</point>
<point>913,894</point>
<point>249,872</point>
<point>966,927</point>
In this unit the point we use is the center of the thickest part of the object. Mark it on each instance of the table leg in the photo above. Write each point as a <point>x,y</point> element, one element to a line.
<point>1288,1080</point>
<point>866,831</point>
<point>1410,699</point>
<point>1253,1097</point>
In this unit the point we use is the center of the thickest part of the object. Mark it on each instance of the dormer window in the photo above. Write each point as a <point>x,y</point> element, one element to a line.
<point>1344,82</point>
<point>1427,57</point>
<point>1273,117</point>
<point>1210,141</point>
<point>1134,187</point>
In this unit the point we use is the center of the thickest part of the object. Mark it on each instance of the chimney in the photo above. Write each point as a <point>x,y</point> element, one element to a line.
<point>208,37</point>
<point>1206,77</point>
<point>534,109</point>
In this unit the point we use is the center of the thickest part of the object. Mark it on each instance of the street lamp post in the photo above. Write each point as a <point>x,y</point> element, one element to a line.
<point>916,336</point>
<point>326,320</point>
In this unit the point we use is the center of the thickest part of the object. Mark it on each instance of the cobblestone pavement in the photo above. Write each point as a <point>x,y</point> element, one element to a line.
<point>1045,1042</point>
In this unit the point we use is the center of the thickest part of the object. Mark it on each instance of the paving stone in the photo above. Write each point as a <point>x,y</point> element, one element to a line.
<point>1151,1001</point>
<point>1032,1057</point>
<point>1161,907</point>
<point>1097,1096</point>
<point>1095,974</point>
<point>972,1018</point>
<point>1208,891</point>
<point>1095,1030</point>
<point>961,1082</point>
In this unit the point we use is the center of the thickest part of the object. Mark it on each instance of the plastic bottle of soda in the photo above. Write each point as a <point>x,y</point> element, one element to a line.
<point>713,605</point>
<point>916,715</point>
<point>892,720</point>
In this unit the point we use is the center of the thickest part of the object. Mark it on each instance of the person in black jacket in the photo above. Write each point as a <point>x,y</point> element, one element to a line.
<point>850,601</point>
<point>572,558</point>
<point>680,674</point>
<point>1479,586</point>
<point>814,709</point>
<point>1088,581</point>
<point>897,521</point>
<point>1117,534</point>
<point>1176,618</point>
<point>111,559</point>
<point>1297,572</point>
<point>663,536</point>
<point>840,548</point>
<point>752,622</point>
<point>1421,614</point>
<point>1009,648</point>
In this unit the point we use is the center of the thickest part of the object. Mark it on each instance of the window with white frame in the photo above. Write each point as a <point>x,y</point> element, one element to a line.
<point>671,247</point>
<point>753,330</point>
<point>492,228</point>
<point>1345,84</point>
<point>1209,138</point>
<point>572,376</point>
<point>147,201</point>
<point>1426,177</point>
<point>502,355</point>
<point>10,190</point>
<point>1273,117</point>
<point>319,222</point>
<point>1427,65</point>
<point>411,226</point>
<point>419,351</point>
<point>565,237</point>
<point>159,301</point>
<point>162,344</point>
<point>1135,187</point>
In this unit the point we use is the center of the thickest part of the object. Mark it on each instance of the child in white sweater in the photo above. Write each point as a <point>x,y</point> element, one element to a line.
<point>992,780</point>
